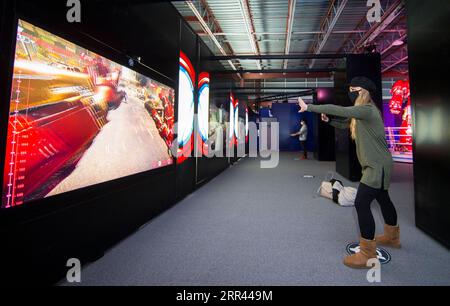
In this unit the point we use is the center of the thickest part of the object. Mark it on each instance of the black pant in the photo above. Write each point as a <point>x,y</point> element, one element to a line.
<point>305,152</point>
<point>364,198</point>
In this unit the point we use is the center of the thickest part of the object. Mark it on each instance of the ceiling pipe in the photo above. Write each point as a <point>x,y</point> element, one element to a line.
<point>393,45</point>
<point>285,76</point>
<point>394,64</point>
<point>313,70</point>
<point>277,56</point>
<point>284,96</point>
<point>289,25</point>
<point>284,33</point>
<point>246,14</point>
<point>277,93</point>
<point>210,34</point>
<point>262,88</point>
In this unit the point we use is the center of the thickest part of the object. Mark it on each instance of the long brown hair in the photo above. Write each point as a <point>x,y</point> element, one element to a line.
<point>363,98</point>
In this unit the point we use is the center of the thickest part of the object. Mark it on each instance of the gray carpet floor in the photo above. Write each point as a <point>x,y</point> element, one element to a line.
<point>253,226</point>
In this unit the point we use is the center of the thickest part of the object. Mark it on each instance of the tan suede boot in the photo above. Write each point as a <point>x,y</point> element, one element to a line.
<point>390,238</point>
<point>368,250</point>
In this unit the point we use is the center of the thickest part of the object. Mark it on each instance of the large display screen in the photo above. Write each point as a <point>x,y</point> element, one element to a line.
<point>78,119</point>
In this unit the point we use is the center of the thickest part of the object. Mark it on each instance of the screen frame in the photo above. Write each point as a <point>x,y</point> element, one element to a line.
<point>37,208</point>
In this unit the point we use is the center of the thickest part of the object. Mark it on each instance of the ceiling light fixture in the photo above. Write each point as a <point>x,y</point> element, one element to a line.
<point>245,10</point>
<point>398,42</point>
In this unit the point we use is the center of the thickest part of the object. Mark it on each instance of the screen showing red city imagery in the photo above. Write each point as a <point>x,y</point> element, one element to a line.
<point>78,119</point>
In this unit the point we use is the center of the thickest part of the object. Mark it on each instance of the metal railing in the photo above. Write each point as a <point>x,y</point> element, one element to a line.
<point>401,151</point>
<point>393,136</point>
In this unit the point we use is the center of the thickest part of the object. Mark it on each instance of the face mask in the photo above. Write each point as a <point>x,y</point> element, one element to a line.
<point>353,95</point>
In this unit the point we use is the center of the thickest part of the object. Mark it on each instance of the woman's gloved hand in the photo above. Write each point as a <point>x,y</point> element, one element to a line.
<point>303,105</point>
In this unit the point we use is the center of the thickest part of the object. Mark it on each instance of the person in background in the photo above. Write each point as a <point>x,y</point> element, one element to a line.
<point>303,137</point>
<point>367,130</point>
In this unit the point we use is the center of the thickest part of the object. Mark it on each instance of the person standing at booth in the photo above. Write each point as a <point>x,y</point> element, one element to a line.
<point>367,130</point>
<point>303,137</point>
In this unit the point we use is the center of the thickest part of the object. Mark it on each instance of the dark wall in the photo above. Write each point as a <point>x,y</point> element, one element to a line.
<point>207,168</point>
<point>289,120</point>
<point>428,47</point>
<point>201,161</point>
<point>323,132</point>
<point>368,65</point>
<point>186,170</point>
<point>243,104</point>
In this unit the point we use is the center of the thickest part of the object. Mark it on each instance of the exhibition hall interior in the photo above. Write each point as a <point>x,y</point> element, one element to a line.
<point>225,143</point>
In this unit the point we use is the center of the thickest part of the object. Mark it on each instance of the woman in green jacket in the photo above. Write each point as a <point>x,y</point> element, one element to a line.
<point>367,129</point>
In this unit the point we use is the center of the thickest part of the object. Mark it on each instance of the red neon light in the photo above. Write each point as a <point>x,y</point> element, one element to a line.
<point>185,152</point>
<point>203,79</point>
<point>186,63</point>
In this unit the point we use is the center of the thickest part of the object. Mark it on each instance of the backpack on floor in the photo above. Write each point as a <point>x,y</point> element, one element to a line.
<point>334,190</point>
<point>344,196</point>
<point>326,187</point>
<point>326,190</point>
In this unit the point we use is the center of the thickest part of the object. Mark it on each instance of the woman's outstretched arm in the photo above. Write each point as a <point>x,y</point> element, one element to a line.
<point>357,112</point>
